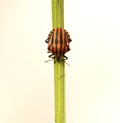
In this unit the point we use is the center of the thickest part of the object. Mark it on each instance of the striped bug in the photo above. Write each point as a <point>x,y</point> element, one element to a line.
<point>58,43</point>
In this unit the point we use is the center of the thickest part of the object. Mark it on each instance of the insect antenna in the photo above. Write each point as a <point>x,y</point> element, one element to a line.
<point>67,64</point>
<point>48,60</point>
<point>52,59</point>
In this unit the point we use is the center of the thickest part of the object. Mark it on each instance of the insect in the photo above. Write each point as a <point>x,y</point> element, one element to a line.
<point>58,43</point>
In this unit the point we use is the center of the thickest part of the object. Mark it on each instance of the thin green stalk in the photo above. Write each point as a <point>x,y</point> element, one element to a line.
<point>59,66</point>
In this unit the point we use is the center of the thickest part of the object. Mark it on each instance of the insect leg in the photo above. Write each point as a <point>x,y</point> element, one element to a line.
<point>46,40</point>
<point>70,40</point>
<point>51,55</point>
<point>65,57</point>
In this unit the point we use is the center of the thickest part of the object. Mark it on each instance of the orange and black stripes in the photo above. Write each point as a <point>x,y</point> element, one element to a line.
<point>58,42</point>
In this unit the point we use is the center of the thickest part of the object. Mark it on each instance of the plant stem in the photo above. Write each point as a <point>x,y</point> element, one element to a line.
<point>59,66</point>
<point>58,13</point>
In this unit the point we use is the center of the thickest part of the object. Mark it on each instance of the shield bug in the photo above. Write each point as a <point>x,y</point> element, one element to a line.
<point>58,43</point>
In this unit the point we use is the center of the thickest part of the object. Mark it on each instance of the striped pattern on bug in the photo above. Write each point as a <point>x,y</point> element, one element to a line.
<point>58,43</point>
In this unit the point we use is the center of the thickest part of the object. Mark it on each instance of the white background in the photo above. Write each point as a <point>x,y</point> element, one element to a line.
<point>92,81</point>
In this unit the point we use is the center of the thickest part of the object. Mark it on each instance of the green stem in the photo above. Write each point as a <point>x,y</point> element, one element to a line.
<point>59,66</point>
<point>58,13</point>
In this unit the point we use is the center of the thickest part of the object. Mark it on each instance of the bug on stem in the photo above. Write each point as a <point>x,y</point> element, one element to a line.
<point>58,43</point>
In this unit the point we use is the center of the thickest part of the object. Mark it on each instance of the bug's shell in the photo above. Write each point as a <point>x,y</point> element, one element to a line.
<point>58,42</point>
